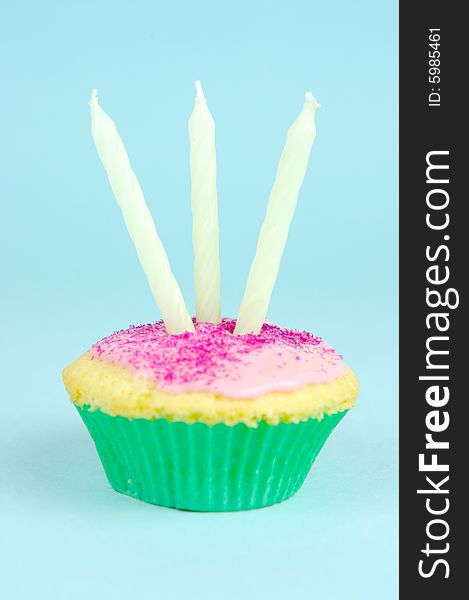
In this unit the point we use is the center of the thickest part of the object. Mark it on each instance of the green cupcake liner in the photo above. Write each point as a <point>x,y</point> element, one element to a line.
<point>202,467</point>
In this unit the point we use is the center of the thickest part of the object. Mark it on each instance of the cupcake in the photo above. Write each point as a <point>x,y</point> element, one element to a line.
<point>201,413</point>
<point>208,420</point>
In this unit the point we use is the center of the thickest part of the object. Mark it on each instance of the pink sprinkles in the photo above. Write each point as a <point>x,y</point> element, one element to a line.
<point>213,359</point>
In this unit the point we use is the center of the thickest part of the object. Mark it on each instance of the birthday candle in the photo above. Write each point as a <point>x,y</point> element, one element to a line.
<point>139,221</point>
<point>203,167</point>
<point>274,232</point>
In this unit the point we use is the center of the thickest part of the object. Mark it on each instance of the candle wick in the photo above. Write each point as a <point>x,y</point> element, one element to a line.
<point>199,90</point>
<point>94,97</point>
<point>311,99</point>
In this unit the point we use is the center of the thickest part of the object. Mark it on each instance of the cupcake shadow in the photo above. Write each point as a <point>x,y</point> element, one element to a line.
<point>55,468</point>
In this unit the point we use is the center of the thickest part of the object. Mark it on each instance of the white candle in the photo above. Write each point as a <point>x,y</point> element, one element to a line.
<point>205,237</point>
<point>274,232</point>
<point>139,221</point>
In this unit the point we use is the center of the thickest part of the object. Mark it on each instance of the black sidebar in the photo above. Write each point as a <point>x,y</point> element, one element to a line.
<point>434,254</point>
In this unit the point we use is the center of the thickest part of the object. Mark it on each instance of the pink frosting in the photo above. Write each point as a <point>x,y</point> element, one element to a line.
<point>214,360</point>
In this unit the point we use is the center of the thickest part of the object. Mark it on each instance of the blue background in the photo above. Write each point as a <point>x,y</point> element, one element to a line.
<point>70,276</point>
